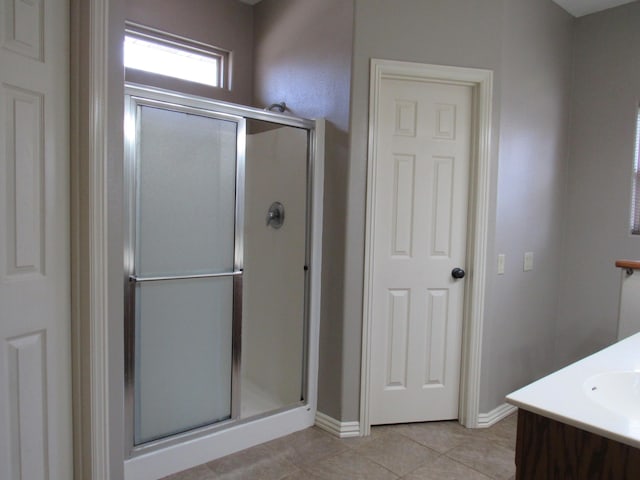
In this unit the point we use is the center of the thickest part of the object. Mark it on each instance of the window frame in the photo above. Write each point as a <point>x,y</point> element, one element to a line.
<point>223,57</point>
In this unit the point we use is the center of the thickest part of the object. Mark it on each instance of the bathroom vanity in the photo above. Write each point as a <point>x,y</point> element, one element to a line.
<point>548,449</point>
<point>583,422</point>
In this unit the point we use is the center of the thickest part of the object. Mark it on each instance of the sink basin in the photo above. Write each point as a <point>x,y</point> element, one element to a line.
<point>618,392</point>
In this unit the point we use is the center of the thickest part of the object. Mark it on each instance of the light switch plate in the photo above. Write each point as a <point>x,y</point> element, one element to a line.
<point>501,259</point>
<point>528,261</point>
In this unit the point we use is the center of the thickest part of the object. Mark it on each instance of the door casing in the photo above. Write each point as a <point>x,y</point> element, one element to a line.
<point>481,82</point>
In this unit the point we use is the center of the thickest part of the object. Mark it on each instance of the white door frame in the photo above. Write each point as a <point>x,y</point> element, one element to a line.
<point>481,81</point>
<point>97,87</point>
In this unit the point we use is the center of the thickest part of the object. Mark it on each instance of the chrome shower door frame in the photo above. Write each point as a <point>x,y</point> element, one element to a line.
<point>279,419</point>
<point>134,102</point>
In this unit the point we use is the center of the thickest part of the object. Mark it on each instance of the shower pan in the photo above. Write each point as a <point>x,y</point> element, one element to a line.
<point>221,305</point>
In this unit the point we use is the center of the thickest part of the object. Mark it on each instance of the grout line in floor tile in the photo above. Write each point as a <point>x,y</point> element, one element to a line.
<point>439,455</point>
<point>493,444</point>
<point>470,467</point>
<point>427,446</point>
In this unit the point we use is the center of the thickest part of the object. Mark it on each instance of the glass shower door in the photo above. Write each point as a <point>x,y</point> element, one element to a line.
<point>185,268</point>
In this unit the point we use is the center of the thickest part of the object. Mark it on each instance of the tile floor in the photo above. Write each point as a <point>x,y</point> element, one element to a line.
<point>418,451</point>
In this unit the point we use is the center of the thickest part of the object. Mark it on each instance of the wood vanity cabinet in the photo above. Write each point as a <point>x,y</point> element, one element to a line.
<point>550,450</point>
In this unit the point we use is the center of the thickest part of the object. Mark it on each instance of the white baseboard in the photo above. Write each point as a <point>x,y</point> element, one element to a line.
<point>485,420</point>
<point>337,428</point>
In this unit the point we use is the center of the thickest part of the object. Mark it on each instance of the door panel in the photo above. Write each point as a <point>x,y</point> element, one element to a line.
<point>185,274</point>
<point>183,356</point>
<point>35,375</point>
<point>186,193</point>
<point>420,220</point>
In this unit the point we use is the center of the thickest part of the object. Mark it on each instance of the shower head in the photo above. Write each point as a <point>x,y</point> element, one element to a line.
<point>280,107</point>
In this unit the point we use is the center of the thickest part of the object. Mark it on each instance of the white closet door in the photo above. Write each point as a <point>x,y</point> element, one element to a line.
<point>419,237</point>
<point>35,363</point>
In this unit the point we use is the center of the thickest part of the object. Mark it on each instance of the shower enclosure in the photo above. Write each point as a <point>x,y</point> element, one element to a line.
<point>222,207</point>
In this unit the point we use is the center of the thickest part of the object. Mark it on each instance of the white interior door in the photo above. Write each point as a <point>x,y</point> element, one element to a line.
<point>418,235</point>
<point>35,366</point>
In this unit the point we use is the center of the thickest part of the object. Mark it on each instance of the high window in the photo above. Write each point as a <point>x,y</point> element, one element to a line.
<point>172,56</point>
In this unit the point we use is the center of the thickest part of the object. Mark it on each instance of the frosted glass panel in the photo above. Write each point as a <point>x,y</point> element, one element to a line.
<point>186,193</point>
<point>183,355</point>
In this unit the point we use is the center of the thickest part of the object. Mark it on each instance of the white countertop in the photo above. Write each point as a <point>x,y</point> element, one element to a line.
<point>561,396</point>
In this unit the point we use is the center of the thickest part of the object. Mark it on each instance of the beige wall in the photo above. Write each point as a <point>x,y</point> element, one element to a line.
<point>606,92</point>
<point>226,24</point>
<point>521,309</point>
<point>303,57</point>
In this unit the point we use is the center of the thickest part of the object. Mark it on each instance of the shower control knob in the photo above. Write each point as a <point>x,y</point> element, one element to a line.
<point>457,273</point>
<point>275,215</point>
